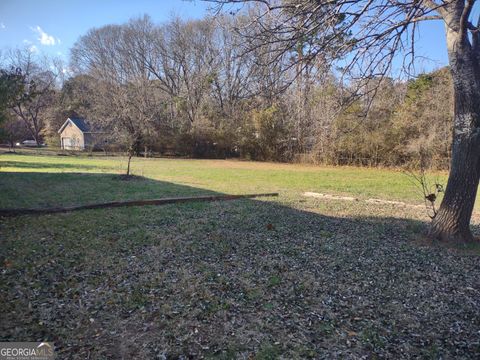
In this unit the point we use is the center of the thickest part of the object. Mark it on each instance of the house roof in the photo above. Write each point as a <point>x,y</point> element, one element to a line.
<point>79,123</point>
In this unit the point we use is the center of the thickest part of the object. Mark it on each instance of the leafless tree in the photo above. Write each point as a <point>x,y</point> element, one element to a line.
<point>187,61</point>
<point>368,35</point>
<point>38,89</point>
<point>233,76</point>
<point>124,100</point>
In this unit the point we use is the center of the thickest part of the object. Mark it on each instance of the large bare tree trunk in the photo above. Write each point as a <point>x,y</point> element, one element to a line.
<point>452,222</point>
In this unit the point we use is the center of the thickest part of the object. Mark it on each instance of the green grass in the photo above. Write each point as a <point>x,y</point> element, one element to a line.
<point>41,186</point>
<point>288,277</point>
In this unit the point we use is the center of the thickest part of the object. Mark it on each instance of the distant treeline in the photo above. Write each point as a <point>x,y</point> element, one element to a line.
<point>191,88</point>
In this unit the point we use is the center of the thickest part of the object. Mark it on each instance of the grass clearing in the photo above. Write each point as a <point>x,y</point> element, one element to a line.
<point>225,176</point>
<point>292,277</point>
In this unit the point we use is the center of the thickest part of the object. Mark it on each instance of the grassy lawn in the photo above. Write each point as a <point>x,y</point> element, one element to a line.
<point>289,277</point>
<point>234,177</point>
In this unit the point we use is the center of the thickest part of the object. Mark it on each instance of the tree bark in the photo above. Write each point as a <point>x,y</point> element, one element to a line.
<point>129,160</point>
<point>452,222</point>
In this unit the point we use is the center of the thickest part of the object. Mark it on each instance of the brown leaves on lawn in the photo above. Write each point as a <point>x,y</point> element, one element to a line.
<point>333,280</point>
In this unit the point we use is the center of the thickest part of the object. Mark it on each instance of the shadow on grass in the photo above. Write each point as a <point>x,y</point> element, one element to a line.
<point>37,190</point>
<point>239,279</point>
<point>49,165</point>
